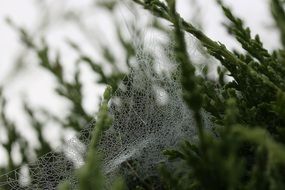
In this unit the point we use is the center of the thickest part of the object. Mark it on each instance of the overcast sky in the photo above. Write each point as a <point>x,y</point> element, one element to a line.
<point>25,13</point>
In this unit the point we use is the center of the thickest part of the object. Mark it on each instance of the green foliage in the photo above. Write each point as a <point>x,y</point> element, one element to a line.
<point>246,149</point>
<point>90,176</point>
<point>279,17</point>
<point>249,112</point>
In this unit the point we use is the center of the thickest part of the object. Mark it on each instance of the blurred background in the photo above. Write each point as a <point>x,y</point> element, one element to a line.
<point>47,95</point>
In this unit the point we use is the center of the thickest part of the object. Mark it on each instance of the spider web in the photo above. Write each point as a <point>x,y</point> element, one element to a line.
<point>149,116</point>
<point>53,167</point>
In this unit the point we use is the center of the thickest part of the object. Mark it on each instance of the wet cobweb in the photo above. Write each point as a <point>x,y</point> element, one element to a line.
<point>149,116</point>
<point>52,168</point>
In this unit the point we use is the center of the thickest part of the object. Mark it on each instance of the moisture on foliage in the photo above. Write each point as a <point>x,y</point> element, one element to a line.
<point>243,149</point>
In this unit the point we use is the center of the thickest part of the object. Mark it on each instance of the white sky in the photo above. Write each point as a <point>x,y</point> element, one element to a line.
<point>24,13</point>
